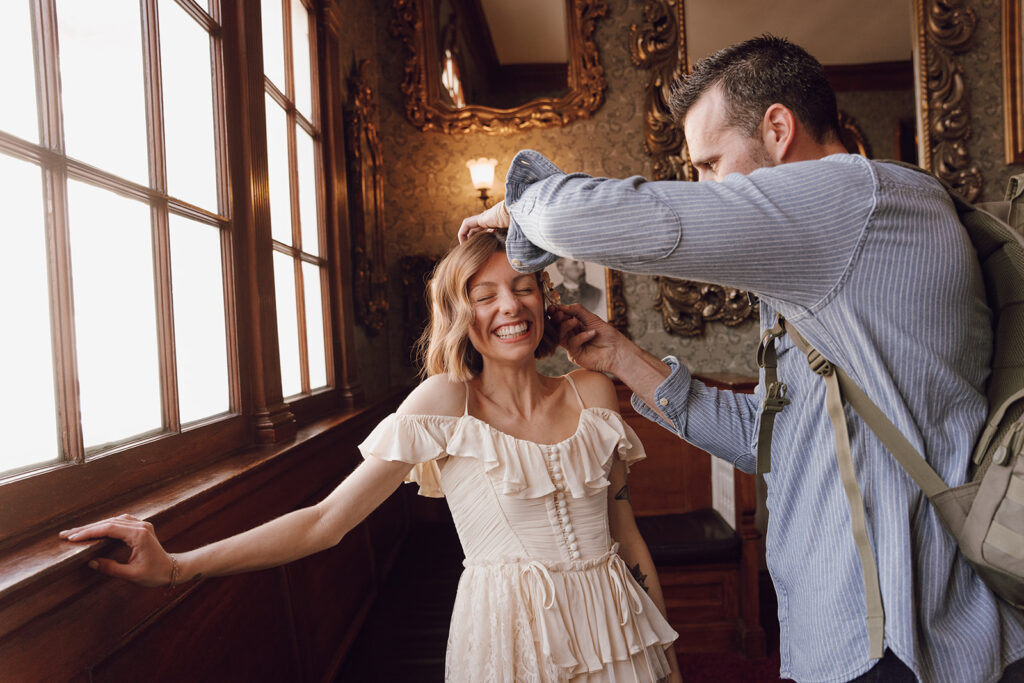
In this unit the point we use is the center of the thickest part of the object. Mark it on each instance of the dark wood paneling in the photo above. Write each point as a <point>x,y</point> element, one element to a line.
<point>234,630</point>
<point>69,621</point>
<point>675,478</point>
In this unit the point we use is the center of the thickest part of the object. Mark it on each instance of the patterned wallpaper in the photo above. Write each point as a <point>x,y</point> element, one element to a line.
<point>428,189</point>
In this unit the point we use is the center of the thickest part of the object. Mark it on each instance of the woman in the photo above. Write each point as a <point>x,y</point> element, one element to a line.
<point>534,469</point>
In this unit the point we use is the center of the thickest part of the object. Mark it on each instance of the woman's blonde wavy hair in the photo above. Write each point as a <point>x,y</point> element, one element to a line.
<point>444,345</point>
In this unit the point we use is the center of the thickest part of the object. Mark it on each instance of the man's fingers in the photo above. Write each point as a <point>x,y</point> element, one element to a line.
<point>576,342</point>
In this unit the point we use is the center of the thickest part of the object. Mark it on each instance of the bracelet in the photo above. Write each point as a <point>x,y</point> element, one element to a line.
<point>175,571</point>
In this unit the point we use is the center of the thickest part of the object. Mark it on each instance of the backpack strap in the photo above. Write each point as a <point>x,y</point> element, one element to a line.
<point>774,396</point>
<point>848,475</point>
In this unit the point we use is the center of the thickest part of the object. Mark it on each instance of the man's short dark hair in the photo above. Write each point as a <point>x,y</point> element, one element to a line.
<point>756,74</point>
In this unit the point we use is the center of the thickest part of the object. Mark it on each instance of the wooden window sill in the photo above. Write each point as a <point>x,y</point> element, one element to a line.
<point>172,507</point>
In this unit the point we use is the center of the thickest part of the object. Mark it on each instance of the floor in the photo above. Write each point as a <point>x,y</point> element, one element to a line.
<point>405,637</point>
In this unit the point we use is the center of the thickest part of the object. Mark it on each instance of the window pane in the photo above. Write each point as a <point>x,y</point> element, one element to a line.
<point>115,314</point>
<point>277,162</point>
<point>287,324</point>
<point>273,42</point>
<point>102,86</point>
<point>307,192</point>
<point>314,325</point>
<point>188,107</point>
<point>17,77</point>
<point>300,59</point>
<point>28,417</point>
<point>199,337</point>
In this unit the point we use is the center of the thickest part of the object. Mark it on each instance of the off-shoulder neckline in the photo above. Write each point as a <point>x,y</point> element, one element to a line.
<point>492,428</point>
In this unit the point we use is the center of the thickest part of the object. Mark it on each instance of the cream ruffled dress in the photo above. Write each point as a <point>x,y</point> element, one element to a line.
<point>544,596</point>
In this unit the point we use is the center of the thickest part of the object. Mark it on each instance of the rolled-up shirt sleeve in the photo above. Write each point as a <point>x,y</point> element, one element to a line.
<point>720,422</point>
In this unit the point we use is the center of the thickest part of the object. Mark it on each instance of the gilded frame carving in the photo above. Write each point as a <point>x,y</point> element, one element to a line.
<point>1013,79</point>
<point>944,30</point>
<point>365,176</point>
<point>423,106</point>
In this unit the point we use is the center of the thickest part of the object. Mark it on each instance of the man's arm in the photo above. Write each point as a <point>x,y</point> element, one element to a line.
<point>720,422</point>
<point>787,232</point>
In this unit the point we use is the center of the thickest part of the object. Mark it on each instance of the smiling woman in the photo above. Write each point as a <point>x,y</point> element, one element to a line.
<point>533,468</point>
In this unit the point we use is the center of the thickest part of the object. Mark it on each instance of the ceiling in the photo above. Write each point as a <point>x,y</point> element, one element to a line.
<point>834,31</point>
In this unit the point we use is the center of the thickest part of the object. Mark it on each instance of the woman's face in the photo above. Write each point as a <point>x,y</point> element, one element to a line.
<point>508,311</point>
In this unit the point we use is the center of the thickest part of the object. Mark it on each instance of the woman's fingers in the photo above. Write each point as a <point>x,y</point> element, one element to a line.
<point>115,527</point>
<point>148,564</point>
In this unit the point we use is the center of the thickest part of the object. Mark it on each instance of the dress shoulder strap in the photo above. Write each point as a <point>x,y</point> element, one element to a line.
<point>465,408</point>
<point>575,391</point>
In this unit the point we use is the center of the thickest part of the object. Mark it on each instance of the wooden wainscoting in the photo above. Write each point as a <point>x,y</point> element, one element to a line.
<point>292,623</point>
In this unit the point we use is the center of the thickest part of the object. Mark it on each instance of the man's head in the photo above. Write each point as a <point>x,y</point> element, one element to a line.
<point>754,104</point>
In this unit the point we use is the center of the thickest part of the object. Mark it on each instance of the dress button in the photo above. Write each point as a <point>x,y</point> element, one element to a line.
<point>516,262</point>
<point>571,537</point>
<point>561,505</point>
<point>560,487</point>
<point>573,546</point>
<point>663,401</point>
<point>552,456</point>
<point>568,528</point>
<point>557,476</point>
<point>575,555</point>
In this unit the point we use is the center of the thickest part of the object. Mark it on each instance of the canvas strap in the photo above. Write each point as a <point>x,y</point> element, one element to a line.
<point>848,476</point>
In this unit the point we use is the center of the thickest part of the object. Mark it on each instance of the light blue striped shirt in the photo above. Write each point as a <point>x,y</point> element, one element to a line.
<point>870,263</point>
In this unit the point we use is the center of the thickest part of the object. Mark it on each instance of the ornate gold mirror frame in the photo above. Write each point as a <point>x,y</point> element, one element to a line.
<point>413,22</point>
<point>364,157</point>
<point>944,29</point>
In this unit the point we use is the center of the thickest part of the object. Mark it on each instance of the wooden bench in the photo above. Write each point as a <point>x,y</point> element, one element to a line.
<point>707,563</point>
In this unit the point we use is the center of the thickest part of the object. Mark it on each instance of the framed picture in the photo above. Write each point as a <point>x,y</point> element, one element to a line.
<point>597,288</point>
<point>1013,79</point>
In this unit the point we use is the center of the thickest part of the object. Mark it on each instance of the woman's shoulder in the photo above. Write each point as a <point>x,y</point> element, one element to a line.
<point>437,395</point>
<point>596,389</point>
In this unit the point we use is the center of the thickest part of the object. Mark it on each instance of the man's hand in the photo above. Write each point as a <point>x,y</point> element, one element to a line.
<point>591,342</point>
<point>494,217</point>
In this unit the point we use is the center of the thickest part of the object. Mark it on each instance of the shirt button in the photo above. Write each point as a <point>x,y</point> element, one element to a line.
<point>663,401</point>
<point>516,262</point>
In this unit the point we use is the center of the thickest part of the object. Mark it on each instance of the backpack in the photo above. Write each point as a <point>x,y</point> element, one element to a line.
<point>986,514</point>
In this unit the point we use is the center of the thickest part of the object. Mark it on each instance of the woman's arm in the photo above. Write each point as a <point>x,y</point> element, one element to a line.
<point>633,549</point>
<point>279,541</point>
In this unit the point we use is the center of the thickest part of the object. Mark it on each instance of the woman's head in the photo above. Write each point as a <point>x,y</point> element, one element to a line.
<point>500,300</point>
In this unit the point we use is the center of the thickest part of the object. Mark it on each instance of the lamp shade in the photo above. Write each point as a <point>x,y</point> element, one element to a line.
<point>482,171</point>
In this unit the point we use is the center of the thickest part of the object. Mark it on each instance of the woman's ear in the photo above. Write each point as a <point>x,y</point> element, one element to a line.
<point>778,131</point>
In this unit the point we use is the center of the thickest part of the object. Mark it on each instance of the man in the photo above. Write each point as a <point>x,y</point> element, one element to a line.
<point>870,263</point>
<point>574,288</point>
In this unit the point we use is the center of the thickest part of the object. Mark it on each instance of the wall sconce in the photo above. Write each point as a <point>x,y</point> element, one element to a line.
<point>482,172</point>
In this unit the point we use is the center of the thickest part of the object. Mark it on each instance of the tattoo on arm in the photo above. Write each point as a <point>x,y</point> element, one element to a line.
<point>623,493</point>
<point>639,576</point>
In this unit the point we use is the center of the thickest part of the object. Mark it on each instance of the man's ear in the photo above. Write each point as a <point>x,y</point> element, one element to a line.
<point>778,131</point>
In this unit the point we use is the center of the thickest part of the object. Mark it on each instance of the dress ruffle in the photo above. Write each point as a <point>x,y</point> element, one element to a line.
<point>516,466</point>
<point>565,621</point>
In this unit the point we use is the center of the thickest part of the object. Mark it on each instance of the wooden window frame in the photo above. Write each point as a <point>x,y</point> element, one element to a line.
<point>41,499</point>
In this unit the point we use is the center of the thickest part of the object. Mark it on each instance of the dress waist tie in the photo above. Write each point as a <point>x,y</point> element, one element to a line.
<point>627,599</point>
<point>540,590</point>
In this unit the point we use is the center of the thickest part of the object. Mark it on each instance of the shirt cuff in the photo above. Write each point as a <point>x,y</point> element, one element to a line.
<point>527,168</point>
<point>671,396</point>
